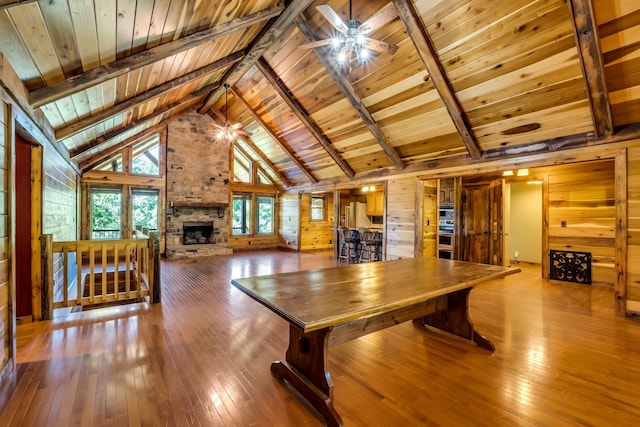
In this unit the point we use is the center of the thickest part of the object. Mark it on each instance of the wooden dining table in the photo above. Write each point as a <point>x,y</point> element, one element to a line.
<point>329,306</point>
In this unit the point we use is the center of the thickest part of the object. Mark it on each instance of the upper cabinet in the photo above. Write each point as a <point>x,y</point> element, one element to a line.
<point>446,191</point>
<point>375,203</point>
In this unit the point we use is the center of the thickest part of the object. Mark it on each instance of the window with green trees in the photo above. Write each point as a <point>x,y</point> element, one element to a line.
<point>241,215</point>
<point>146,157</point>
<point>265,213</point>
<point>145,209</point>
<point>106,213</point>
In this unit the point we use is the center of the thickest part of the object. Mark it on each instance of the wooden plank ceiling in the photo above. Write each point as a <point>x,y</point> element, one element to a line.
<point>471,79</point>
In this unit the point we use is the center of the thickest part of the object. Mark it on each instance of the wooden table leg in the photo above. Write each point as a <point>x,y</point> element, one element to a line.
<point>454,319</point>
<point>306,370</point>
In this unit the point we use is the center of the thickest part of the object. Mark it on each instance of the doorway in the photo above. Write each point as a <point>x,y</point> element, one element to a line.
<point>23,229</point>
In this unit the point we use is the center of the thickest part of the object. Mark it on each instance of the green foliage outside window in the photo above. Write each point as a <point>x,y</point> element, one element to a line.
<point>265,214</point>
<point>106,207</point>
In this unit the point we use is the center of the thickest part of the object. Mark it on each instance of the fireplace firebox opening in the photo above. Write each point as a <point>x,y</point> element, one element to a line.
<point>197,232</point>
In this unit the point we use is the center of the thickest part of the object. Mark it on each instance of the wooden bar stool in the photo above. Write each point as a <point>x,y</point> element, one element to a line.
<point>349,240</point>
<point>371,242</point>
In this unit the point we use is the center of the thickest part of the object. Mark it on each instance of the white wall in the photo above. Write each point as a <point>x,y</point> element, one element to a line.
<point>526,223</point>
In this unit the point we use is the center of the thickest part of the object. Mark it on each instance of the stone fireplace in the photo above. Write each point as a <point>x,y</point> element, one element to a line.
<point>198,217</point>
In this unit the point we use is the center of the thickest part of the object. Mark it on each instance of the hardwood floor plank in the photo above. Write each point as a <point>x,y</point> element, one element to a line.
<point>202,357</point>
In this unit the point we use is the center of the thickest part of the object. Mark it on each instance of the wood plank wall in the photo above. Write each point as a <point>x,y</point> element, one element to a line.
<point>289,220</point>
<point>633,223</point>
<point>5,294</point>
<point>315,234</point>
<point>401,217</point>
<point>582,214</point>
<point>430,219</point>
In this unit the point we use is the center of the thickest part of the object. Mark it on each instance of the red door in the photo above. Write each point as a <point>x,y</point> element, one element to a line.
<point>23,228</point>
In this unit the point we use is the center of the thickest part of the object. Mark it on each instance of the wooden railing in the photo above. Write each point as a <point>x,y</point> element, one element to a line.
<point>91,272</point>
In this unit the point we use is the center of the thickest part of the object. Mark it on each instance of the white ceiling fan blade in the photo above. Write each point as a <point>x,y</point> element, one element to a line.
<point>384,16</point>
<point>381,46</point>
<point>317,43</point>
<point>331,16</point>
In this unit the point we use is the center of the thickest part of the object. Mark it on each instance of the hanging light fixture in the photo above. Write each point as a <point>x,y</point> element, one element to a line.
<point>351,43</point>
<point>228,133</point>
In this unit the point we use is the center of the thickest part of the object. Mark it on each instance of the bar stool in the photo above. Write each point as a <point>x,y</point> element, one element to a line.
<point>371,242</point>
<point>349,240</point>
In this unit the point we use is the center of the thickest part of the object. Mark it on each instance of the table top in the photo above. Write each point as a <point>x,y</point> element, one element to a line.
<point>320,298</point>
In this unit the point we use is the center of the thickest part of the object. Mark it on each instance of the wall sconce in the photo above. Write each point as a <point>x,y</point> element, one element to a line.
<point>507,173</point>
<point>522,172</point>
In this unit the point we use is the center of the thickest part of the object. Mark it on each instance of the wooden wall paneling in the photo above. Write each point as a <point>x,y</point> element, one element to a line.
<point>400,218</point>
<point>289,220</point>
<point>582,214</point>
<point>418,248</point>
<point>7,268</point>
<point>316,234</point>
<point>36,231</point>
<point>621,242</point>
<point>633,243</point>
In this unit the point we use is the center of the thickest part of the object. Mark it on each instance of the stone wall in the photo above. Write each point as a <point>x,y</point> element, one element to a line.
<point>197,184</point>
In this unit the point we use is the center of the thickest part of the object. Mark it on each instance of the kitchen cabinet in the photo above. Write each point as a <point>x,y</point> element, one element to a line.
<point>375,203</point>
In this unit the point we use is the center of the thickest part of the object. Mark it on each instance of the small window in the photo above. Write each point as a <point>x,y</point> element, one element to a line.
<point>113,164</point>
<point>146,157</point>
<point>265,213</point>
<point>241,167</point>
<point>318,207</point>
<point>263,179</point>
<point>241,215</point>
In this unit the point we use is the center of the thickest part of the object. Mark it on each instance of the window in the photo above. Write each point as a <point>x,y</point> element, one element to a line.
<point>241,167</point>
<point>265,213</point>
<point>146,157</point>
<point>263,179</point>
<point>145,209</point>
<point>318,207</point>
<point>106,213</point>
<point>113,164</point>
<point>241,223</point>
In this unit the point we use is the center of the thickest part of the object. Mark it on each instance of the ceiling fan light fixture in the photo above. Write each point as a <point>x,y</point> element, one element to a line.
<point>227,133</point>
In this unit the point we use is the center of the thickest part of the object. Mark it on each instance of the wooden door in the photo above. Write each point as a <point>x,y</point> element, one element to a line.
<point>23,228</point>
<point>481,223</point>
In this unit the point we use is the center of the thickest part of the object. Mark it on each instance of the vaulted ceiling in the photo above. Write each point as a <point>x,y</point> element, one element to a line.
<point>471,79</point>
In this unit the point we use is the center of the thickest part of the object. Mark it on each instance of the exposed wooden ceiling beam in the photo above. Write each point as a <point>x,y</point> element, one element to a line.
<point>267,36</point>
<point>341,81</point>
<point>281,143</point>
<point>95,76</point>
<point>422,41</point>
<point>173,108</point>
<point>101,155</point>
<point>4,4</point>
<point>302,115</point>
<point>90,121</point>
<point>586,32</point>
<point>256,151</point>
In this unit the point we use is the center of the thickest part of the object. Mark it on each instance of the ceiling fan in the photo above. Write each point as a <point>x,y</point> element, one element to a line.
<point>227,132</point>
<point>351,42</point>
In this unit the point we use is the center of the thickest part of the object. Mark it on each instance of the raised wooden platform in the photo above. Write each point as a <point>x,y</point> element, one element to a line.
<point>193,251</point>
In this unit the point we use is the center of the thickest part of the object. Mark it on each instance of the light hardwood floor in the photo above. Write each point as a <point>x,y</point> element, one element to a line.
<point>202,357</point>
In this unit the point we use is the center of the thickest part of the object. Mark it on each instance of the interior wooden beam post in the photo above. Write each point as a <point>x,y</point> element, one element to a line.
<point>101,116</point>
<point>120,67</point>
<point>281,143</point>
<point>267,36</point>
<point>588,42</point>
<point>297,108</point>
<point>621,239</point>
<point>340,79</point>
<point>422,41</point>
<point>46,300</point>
